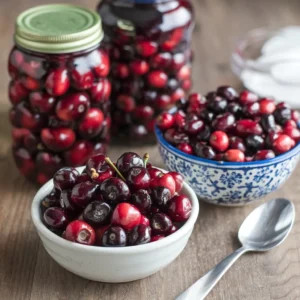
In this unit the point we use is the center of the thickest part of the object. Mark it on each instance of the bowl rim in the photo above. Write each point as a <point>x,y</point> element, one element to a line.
<point>193,158</point>
<point>45,232</point>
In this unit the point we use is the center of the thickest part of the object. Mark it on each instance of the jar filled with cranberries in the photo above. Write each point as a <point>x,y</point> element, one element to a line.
<point>59,90</point>
<point>149,42</point>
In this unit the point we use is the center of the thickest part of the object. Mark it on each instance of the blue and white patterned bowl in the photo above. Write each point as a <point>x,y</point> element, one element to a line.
<point>229,183</point>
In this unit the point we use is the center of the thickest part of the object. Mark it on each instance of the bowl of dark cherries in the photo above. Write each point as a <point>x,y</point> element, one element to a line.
<point>115,222</point>
<point>231,148</point>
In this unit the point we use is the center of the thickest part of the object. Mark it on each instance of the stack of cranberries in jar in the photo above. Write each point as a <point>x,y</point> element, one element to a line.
<point>115,205</point>
<point>227,126</point>
<point>150,49</point>
<point>59,91</point>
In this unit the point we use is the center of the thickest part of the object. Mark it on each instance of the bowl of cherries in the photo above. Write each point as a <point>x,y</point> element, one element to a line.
<point>115,222</point>
<point>231,148</point>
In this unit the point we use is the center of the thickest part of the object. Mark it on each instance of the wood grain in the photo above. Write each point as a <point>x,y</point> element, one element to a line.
<point>28,273</point>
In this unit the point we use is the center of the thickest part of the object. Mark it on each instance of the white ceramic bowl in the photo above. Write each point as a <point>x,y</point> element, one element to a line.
<point>113,264</point>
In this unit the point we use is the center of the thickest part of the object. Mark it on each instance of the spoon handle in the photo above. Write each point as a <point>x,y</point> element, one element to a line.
<point>201,288</point>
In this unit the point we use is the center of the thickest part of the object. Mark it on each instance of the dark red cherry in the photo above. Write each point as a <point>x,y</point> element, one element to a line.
<point>254,143</point>
<point>161,223</point>
<point>127,161</point>
<point>98,169</point>
<point>51,200</point>
<point>115,236</point>
<point>56,217</point>
<point>179,208</point>
<point>178,180</point>
<point>139,235</point>
<point>83,193</point>
<point>91,124</point>
<point>161,196</point>
<point>158,237</point>
<point>65,178</point>
<point>268,122</point>
<point>138,178</point>
<point>66,202</point>
<point>97,213</point>
<point>165,180</point>
<point>142,200</point>
<point>79,153</point>
<point>282,115</point>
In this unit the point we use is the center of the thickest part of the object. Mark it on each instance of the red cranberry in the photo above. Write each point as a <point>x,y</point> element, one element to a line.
<point>246,127</point>
<point>177,95</point>
<point>145,221</point>
<point>179,208</point>
<point>163,101</point>
<point>158,79</point>
<point>127,161</point>
<point>184,73</point>
<point>282,115</point>
<point>126,215</point>
<point>283,105</point>
<point>138,178</point>
<point>179,118</point>
<point>266,106</point>
<point>237,143</point>
<point>99,60</point>
<point>290,123</point>
<point>17,92</point>
<point>227,92</point>
<point>115,236</point>
<point>79,153</point>
<point>146,48</point>
<point>166,180</point>
<point>58,139</point>
<point>161,196</point>
<point>216,103</point>
<point>219,140</point>
<point>251,109</point>
<point>125,103</point>
<point>248,97</point>
<point>97,213</point>
<point>161,60</point>
<point>165,121</point>
<point>254,142</point>
<point>80,232</point>
<point>139,67</point>
<point>186,148</point>
<point>92,123</point>
<point>30,83</point>
<point>57,82</point>
<point>41,102</point>
<point>187,84</point>
<point>121,71</point>
<point>161,223</point>
<point>283,143</point>
<point>292,132</point>
<point>139,235</point>
<point>143,112</point>
<point>115,190</point>
<point>224,122</point>
<point>142,200</point>
<point>156,238</point>
<point>82,193</point>
<point>178,61</point>
<point>100,91</point>
<point>73,106</point>
<point>234,155</point>
<point>82,76</point>
<point>264,154</point>
<point>65,178</point>
<point>98,169</point>
<point>178,180</point>
<point>235,108</point>
<point>268,123</point>
<point>295,116</point>
<point>33,68</point>
<point>173,40</point>
<point>193,127</point>
<point>56,217</point>
<point>204,151</point>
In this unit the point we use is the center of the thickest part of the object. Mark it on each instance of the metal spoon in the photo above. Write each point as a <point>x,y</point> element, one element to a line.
<point>265,228</point>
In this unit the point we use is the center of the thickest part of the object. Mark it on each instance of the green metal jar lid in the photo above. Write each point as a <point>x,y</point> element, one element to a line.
<point>58,28</point>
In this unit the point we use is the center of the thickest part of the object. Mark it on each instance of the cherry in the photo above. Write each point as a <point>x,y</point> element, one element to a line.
<point>179,118</point>
<point>17,92</point>
<point>115,236</point>
<point>227,92</point>
<point>186,148</point>
<point>51,200</point>
<point>41,102</point>
<point>126,215</point>
<point>224,122</point>
<point>115,190</point>
<point>73,106</point>
<point>165,180</point>
<point>153,172</point>
<point>266,106</point>
<point>142,200</point>
<point>80,232</point>
<point>65,178</point>
<point>24,161</point>
<point>161,196</point>
<point>83,178</point>
<point>156,238</point>
<point>146,48</point>
<point>204,151</point>
<point>283,143</point>
<point>58,139</point>
<point>98,169</point>
<point>264,154</point>
<point>179,208</point>
<point>66,202</point>
<point>292,132</point>
<point>219,141</point>
<point>161,223</point>
<point>139,235</point>
<point>91,124</point>
<point>248,97</point>
<point>173,229</point>
<point>157,79</point>
<point>234,155</point>
<point>246,127</point>
<point>237,143</point>
<point>127,161</point>
<point>145,221</point>
<point>83,193</point>
<point>47,162</point>
<point>57,82</point>
<point>82,76</point>
<point>178,180</point>
<point>139,67</point>
<point>56,217</point>
<point>100,233</point>
<point>165,121</point>
<point>100,91</point>
<point>138,178</point>
<point>100,63</point>
<point>79,153</point>
<point>97,213</point>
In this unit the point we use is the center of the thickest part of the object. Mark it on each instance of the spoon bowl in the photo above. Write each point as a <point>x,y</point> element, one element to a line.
<point>268,225</point>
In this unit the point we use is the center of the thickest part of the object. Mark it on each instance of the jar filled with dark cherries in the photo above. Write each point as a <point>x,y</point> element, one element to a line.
<point>149,42</point>
<point>59,90</point>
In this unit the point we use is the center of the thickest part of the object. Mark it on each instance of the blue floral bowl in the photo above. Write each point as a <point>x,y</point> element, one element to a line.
<point>229,183</point>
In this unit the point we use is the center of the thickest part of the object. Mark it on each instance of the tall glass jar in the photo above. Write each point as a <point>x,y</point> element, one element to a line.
<point>59,90</point>
<point>149,42</point>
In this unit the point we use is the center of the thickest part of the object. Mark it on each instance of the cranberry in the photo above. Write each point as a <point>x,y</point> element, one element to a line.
<point>82,193</point>
<point>193,127</point>
<point>100,91</point>
<point>234,155</point>
<point>66,202</point>
<point>92,123</point>
<point>295,116</point>
<point>115,190</point>
<point>163,101</point>
<point>169,135</point>
<point>121,71</point>
<point>82,76</point>
<point>73,106</point>
<point>30,83</point>
<point>161,223</point>
<point>161,196</point>
<point>282,115</point>
<point>138,132</point>
<point>115,236</point>
<point>58,139</point>
<point>246,127</point>
<point>56,217</point>
<point>283,143</point>
<point>126,215</point>
<point>42,102</point>
<point>186,148</point>
<point>32,143</point>
<point>184,73</point>
<point>173,40</point>
<point>166,180</point>
<point>146,48</point>
<point>268,123</point>
<point>251,109</point>
<point>142,200</point>
<point>79,153</point>
<point>235,108</point>
<point>80,232</point>
<point>177,95</point>
<point>178,180</point>
<point>157,79</point>
<point>57,82</point>
<point>156,238</point>
<point>179,208</point>
<point>224,122</point>
<point>161,60</point>
<point>204,134</point>
<point>140,234</point>
<point>97,213</point>
<point>290,123</point>
<point>292,132</point>
<point>219,141</point>
<point>248,97</point>
<point>196,101</point>
<point>204,151</point>
<point>138,178</point>
<point>125,103</point>
<point>237,143</point>
<point>145,221</point>
<point>266,106</point>
<point>165,121</point>
<point>215,103</point>
<point>187,84</point>
<point>24,161</point>
<point>264,154</point>
<point>139,67</point>
<point>17,92</point>
<point>48,162</point>
<point>100,62</point>
<point>98,169</point>
<point>227,92</point>
<point>179,118</point>
<point>65,178</point>
<point>178,61</point>
<point>127,161</point>
<point>254,142</point>
<point>143,112</point>
<point>206,115</point>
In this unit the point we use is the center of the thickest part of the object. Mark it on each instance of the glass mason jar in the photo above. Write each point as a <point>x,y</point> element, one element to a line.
<point>149,42</point>
<point>59,90</point>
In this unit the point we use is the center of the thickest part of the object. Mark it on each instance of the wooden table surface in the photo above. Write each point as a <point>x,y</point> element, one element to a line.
<point>28,272</point>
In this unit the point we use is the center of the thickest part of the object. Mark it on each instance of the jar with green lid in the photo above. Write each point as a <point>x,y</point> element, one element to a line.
<point>59,90</point>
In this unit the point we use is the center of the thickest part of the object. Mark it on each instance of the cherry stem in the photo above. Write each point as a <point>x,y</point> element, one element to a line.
<point>145,159</point>
<point>107,159</point>
<point>94,174</point>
